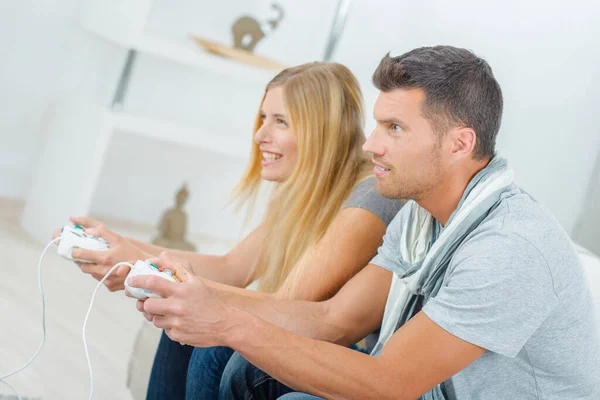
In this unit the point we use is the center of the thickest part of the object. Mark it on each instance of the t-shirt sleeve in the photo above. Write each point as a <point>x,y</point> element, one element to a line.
<point>365,196</point>
<point>496,294</point>
<point>388,253</point>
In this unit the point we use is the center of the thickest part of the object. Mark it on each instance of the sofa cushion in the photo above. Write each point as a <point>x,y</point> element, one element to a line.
<point>591,265</point>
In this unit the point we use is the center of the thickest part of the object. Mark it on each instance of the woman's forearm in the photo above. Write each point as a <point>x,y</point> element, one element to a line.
<point>214,268</point>
<point>147,247</point>
<point>255,294</point>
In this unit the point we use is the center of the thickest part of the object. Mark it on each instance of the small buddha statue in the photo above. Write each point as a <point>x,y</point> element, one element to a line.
<point>173,225</point>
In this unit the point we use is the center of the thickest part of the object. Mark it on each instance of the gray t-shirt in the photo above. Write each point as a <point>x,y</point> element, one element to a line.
<point>366,196</point>
<point>516,287</point>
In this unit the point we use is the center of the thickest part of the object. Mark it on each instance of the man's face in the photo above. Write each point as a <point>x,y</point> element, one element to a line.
<point>407,153</point>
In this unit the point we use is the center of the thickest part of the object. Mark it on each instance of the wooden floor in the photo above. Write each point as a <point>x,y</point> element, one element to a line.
<point>60,371</point>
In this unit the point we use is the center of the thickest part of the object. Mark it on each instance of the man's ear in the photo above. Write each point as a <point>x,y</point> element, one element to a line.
<point>463,141</point>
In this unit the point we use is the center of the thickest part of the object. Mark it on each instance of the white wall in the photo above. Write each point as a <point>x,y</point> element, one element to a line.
<point>35,39</point>
<point>544,53</point>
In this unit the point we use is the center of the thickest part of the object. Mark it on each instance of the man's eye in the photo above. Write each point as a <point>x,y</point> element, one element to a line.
<point>396,128</point>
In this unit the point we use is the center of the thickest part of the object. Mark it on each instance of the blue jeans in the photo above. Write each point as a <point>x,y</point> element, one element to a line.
<point>186,372</point>
<point>242,380</point>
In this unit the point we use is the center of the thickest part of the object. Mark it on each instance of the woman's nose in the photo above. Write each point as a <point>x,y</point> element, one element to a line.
<point>262,134</point>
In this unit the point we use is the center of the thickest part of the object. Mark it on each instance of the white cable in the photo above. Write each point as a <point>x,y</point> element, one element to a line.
<point>12,388</point>
<point>87,355</point>
<point>43,319</point>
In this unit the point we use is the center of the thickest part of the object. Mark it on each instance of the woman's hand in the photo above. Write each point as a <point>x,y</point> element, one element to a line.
<point>119,249</point>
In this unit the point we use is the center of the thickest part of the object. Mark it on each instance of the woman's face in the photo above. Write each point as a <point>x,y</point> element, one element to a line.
<point>276,138</point>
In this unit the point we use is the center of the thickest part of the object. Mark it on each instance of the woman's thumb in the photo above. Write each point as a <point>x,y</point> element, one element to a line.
<point>181,271</point>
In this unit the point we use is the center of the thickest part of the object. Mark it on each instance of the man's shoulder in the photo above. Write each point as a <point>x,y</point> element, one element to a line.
<point>518,214</point>
<point>521,225</point>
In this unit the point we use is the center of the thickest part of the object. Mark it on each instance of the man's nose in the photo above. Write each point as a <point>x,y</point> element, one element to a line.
<point>373,144</point>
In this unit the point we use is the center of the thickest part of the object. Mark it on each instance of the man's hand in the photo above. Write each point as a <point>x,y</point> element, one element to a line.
<point>189,311</point>
<point>120,249</point>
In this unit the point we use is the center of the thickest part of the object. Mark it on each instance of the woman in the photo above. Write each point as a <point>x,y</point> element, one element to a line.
<point>323,223</point>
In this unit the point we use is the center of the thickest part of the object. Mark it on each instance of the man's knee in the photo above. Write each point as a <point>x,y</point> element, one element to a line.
<point>238,376</point>
<point>211,359</point>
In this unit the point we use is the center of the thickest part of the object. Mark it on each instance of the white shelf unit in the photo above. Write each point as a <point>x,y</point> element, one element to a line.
<point>80,130</point>
<point>123,23</point>
<point>171,132</point>
<point>185,52</point>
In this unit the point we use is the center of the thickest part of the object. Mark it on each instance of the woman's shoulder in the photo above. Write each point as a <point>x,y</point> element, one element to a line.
<point>366,196</point>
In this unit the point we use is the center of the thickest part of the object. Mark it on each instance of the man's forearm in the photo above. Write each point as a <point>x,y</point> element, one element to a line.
<point>306,318</point>
<point>307,365</point>
<point>344,319</point>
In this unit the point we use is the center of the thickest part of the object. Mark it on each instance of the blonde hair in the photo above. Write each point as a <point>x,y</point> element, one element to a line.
<point>324,105</point>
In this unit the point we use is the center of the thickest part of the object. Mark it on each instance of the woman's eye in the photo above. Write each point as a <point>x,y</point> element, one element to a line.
<point>281,122</point>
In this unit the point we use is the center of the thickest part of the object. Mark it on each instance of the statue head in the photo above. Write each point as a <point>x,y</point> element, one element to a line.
<point>182,196</point>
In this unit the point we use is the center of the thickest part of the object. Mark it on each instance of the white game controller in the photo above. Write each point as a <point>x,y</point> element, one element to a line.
<point>73,237</point>
<point>147,268</point>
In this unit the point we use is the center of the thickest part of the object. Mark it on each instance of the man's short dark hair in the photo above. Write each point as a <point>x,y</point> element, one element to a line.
<point>460,90</point>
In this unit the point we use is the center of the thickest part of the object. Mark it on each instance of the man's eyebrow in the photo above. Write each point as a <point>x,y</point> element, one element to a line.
<point>391,120</point>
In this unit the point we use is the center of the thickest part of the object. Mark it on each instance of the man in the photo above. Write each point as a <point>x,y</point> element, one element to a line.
<point>478,291</point>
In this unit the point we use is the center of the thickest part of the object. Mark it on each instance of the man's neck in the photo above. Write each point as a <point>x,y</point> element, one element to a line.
<point>443,200</point>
